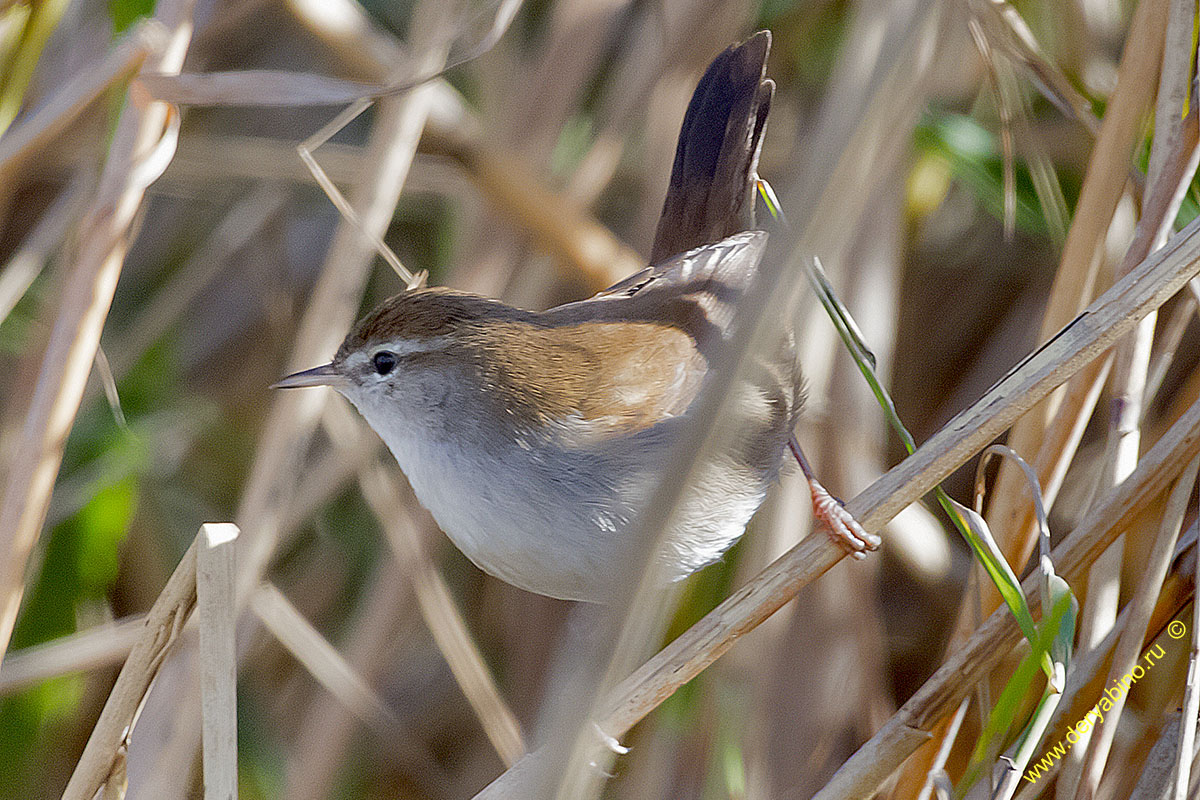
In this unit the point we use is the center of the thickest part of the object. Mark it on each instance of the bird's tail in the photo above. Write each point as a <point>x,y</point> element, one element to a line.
<point>711,191</point>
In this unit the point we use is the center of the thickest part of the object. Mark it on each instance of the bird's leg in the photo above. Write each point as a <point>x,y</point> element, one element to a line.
<point>843,529</point>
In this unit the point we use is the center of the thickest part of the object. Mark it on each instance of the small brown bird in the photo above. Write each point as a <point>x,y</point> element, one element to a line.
<point>534,438</point>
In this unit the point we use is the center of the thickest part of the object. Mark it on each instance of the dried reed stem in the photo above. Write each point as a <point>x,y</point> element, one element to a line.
<point>160,629</point>
<point>1085,679</point>
<point>237,229</point>
<point>22,269</point>
<point>327,728</point>
<point>142,145</point>
<point>330,669</point>
<point>218,659</point>
<point>449,630</point>
<point>1172,164</point>
<point>1006,30</point>
<point>894,742</point>
<point>1075,281</point>
<point>1093,332</point>
<point>145,40</point>
<point>321,659</point>
<point>1191,705</point>
<point>334,302</point>
<point>95,647</point>
<point>558,221</point>
<point>1129,646</point>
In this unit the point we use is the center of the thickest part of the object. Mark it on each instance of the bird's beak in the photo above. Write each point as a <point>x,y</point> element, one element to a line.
<point>324,375</point>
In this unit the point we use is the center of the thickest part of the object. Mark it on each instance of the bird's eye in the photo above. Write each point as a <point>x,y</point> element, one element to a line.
<point>384,362</point>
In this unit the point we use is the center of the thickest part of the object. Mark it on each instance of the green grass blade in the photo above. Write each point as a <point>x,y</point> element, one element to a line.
<point>996,732</point>
<point>977,535</point>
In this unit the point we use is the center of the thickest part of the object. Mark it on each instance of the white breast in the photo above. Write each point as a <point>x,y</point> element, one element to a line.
<point>553,522</point>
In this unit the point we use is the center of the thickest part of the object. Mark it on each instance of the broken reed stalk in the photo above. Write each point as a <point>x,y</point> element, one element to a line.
<point>293,416</point>
<point>160,628</point>
<point>218,658</point>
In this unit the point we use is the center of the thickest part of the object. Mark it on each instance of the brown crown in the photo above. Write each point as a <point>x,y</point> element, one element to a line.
<point>426,314</point>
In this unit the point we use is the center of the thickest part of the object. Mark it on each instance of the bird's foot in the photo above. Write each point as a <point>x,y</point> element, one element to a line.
<point>843,528</point>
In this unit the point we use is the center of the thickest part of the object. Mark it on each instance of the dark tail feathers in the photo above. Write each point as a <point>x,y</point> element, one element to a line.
<point>711,194</point>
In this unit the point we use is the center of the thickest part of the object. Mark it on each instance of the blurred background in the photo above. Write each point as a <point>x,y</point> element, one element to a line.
<point>537,172</point>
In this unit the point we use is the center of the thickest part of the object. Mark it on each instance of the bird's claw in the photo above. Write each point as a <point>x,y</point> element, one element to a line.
<point>841,525</point>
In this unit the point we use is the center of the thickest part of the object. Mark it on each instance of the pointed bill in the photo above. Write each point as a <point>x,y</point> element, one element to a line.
<point>324,375</point>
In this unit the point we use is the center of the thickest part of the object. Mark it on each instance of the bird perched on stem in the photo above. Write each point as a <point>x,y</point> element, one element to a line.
<point>534,438</point>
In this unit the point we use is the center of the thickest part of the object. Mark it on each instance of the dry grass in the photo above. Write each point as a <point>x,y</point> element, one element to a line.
<point>371,659</point>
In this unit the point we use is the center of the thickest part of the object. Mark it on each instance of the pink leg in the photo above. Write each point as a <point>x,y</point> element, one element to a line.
<point>843,529</point>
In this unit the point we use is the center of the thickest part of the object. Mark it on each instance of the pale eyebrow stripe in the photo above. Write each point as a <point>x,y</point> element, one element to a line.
<point>406,347</point>
<point>401,347</point>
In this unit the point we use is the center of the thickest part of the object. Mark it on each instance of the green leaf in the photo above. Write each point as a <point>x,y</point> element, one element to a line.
<point>1061,648</point>
<point>970,152</point>
<point>991,739</point>
<point>767,193</point>
<point>975,530</point>
<point>996,731</point>
<point>79,566</point>
<point>124,13</point>
<point>970,525</point>
<point>16,71</point>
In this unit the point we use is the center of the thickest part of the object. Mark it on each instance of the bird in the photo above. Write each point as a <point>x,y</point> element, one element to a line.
<point>535,438</point>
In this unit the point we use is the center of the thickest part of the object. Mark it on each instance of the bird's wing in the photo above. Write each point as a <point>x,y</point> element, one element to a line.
<point>695,293</point>
<point>730,262</point>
